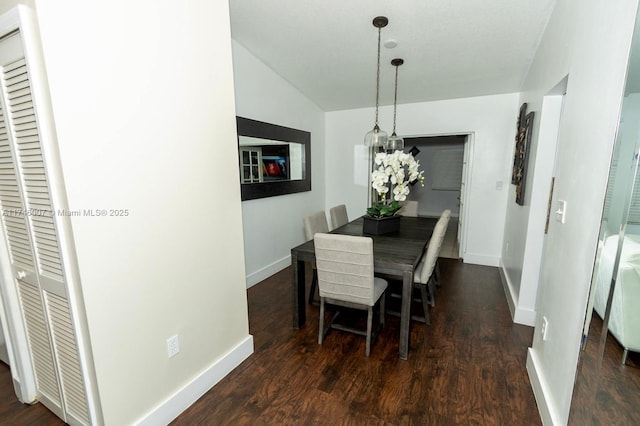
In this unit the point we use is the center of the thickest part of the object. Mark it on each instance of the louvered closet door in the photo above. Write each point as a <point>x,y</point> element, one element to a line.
<point>29,228</point>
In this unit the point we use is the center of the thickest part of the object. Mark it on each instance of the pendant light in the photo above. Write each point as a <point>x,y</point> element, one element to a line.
<point>394,141</point>
<point>377,137</point>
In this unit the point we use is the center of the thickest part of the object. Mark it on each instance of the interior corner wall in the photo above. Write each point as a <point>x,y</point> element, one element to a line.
<point>143,103</point>
<point>588,42</point>
<point>491,120</point>
<point>525,224</point>
<point>272,226</point>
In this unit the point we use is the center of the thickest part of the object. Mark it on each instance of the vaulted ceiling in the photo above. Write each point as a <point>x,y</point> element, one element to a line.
<point>452,48</point>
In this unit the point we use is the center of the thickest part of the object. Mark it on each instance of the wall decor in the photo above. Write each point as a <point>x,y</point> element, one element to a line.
<point>520,133</point>
<point>521,156</point>
<point>273,160</point>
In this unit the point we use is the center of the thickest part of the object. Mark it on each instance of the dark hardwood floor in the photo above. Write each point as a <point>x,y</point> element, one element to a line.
<point>467,368</point>
<point>607,392</point>
<point>13,412</point>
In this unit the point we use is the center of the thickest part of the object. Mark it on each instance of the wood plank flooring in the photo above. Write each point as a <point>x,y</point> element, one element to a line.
<point>607,392</point>
<point>467,368</point>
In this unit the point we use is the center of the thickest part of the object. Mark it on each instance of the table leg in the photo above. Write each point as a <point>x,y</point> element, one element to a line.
<point>298,283</point>
<point>405,313</point>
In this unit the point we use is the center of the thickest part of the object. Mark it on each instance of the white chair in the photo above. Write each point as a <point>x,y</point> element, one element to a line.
<point>339,216</point>
<point>346,278</point>
<point>445,217</point>
<point>409,208</point>
<point>424,277</point>
<point>314,223</point>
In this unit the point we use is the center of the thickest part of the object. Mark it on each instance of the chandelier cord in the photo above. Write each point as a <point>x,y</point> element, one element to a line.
<point>395,98</point>
<point>378,76</point>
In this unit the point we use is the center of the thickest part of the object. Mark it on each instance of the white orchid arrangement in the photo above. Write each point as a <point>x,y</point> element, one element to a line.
<point>391,177</point>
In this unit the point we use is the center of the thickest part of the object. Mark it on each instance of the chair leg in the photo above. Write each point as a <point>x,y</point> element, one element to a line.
<point>425,303</point>
<point>432,291</point>
<point>383,309</point>
<point>436,272</point>
<point>369,328</point>
<point>321,322</point>
<point>314,286</point>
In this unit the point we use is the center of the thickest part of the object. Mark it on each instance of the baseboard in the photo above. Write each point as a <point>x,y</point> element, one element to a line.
<point>525,316</point>
<point>436,214</point>
<point>546,408</point>
<point>481,259</point>
<point>171,408</point>
<point>264,273</point>
<point>506,285</point>
<point>519,315</point>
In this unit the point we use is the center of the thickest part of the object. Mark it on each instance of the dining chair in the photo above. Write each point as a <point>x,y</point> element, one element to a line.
<point>339,216</point>
<point>445,216</point>
<point>346,279</point>
<point>409,208</point>
<point>424,277</point>
<point>314,223</point>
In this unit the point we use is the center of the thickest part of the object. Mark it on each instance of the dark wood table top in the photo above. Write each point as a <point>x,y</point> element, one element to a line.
<point>393,252</point>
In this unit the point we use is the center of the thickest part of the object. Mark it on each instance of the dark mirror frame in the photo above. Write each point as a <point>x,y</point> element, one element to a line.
<point>262,130</point>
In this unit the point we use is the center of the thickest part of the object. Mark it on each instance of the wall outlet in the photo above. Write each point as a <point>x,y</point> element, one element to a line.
<point>544,328</point>
<point>173,346</point>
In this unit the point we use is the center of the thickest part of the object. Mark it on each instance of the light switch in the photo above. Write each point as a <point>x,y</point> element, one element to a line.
<point>561,211</point>
<point>499,185</point>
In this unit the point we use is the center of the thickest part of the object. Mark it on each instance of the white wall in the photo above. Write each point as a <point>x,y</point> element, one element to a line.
<point>272,226</point>
<point>525,224</point>
<point>588,41</point>
<point>142,96</point>
<point>491,120</point>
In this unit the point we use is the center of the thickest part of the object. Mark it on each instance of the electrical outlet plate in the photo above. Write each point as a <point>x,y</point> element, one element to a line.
<point>173,346</point>
<point>544,328</point>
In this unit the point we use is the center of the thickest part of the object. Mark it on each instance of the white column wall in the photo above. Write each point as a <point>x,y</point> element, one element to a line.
<point>272,226</point>
<point>142,97</point>
<point>491,120</point>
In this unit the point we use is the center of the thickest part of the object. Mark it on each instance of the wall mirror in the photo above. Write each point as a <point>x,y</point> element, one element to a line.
<point>607,387</point>
<point>273,160</point>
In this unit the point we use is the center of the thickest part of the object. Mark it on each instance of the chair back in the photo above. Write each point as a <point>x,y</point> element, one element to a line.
<point>428,261</point>
<point>409,208</point>
<point>446,214</point>
<point>345,267</point>
<point>339,216</point>
<point>314,223</point>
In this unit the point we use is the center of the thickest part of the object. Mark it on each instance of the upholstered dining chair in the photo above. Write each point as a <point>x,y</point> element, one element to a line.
<point>423,276</point>
<point>409,208</point>
<point>346,278</point>
<point>339,216</point>
<point>445,216</point>
<point>314,223</point>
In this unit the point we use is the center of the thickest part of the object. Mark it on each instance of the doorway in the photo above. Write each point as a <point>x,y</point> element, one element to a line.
<point>444,159</point>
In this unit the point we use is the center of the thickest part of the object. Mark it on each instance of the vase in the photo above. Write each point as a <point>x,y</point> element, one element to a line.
<point>380,225</point>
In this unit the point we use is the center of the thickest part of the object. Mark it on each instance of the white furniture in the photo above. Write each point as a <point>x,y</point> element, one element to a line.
<point>424,276</point>
<point>624,319</point>
<point>346,278</point>
<point>339,216</point>
<point>313,223</point>
<point>409,208</point>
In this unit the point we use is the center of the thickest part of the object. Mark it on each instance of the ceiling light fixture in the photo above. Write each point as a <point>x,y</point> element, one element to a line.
<point>394,141</point>
<point>377,137</point>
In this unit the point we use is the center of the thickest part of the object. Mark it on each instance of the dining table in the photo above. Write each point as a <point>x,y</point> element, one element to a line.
<point>396,254</point>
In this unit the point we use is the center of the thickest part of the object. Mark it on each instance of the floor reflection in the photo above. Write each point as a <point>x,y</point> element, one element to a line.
<point>617,398</point>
